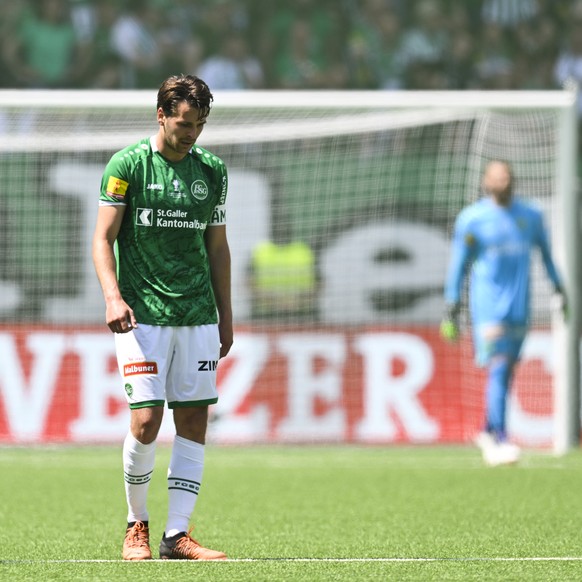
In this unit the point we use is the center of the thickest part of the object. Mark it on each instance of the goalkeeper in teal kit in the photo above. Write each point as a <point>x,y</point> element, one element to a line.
<point>494,238</point>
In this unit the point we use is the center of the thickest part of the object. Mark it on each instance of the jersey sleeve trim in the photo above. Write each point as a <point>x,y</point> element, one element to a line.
<point>109,203</point>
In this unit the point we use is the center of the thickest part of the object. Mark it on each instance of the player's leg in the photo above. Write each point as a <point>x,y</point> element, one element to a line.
<point>504,355</point>
<point>191,388</point>
<point>138,465</point>
<point>483,341</point>
<point>142,366</point>
<point>186,467</point>
<point>139,452</point>
<point>499,374</point>
<point>498,350</point>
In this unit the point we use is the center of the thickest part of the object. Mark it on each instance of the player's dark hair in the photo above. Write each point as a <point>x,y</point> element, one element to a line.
<point>179,88</point>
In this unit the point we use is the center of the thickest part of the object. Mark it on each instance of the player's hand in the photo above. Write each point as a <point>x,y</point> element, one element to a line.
<point>226,337</point>
<point>449,328</point>
<point>560,303</point>
<point>120,317</point>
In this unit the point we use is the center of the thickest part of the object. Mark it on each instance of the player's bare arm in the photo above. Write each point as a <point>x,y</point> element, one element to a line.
<point>118,315</point>
<point>219,261</point>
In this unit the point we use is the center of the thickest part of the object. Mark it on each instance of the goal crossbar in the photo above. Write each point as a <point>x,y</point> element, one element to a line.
<point>71,99</point>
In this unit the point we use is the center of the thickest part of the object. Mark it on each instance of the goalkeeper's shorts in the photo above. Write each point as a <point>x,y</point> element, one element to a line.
<point>494,339</point>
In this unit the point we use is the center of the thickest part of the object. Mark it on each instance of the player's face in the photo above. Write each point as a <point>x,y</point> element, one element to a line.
<point>179,132</point>
<point>497,181</point>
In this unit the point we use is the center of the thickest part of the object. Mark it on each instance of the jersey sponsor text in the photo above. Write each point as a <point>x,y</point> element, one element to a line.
<point>218,215</point>
<point>207,365</point>
<point>175,223</point>
<point>140,368</point>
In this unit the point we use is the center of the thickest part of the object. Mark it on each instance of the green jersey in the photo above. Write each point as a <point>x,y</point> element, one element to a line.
<point>162,264</point>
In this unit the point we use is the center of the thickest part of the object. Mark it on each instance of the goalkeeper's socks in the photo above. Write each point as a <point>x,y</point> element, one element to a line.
<point>138,466</point>
<point>497,391</point>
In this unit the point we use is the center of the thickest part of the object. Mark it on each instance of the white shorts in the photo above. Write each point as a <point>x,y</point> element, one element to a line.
<point>173,364</point>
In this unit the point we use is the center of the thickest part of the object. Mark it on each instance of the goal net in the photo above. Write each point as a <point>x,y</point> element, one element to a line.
<point>340,212</point>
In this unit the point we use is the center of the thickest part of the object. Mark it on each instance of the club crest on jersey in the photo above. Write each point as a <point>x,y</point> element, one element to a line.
<point>199,190</point>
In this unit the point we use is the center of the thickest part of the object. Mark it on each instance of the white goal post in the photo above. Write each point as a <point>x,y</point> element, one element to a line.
<point>371,181</point>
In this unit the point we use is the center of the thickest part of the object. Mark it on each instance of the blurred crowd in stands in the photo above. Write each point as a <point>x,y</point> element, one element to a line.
<point>291,44</point>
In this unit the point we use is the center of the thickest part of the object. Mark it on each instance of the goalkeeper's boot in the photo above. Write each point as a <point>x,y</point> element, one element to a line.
<point>183,547</point>
<point>501,453</point>
<point>136,545</point>
<point>506,454</point>
<point>485,441</point>
<point>497,452</point>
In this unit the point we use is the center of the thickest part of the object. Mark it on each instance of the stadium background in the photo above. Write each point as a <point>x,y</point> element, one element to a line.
<point>58,384</point>
<point>300,44</point>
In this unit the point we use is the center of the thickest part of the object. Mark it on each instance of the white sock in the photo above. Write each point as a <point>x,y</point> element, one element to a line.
<point>184,479</point>
<point>138,465</point>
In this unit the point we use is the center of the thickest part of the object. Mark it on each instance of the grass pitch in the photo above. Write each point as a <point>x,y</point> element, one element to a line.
<point>301,513</point>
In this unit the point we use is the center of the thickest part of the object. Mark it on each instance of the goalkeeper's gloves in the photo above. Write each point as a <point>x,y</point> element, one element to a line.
<point>450,324</point>
<point>560,302</point>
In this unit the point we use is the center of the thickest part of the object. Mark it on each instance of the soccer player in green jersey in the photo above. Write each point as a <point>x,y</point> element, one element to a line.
<point>162,257</point>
